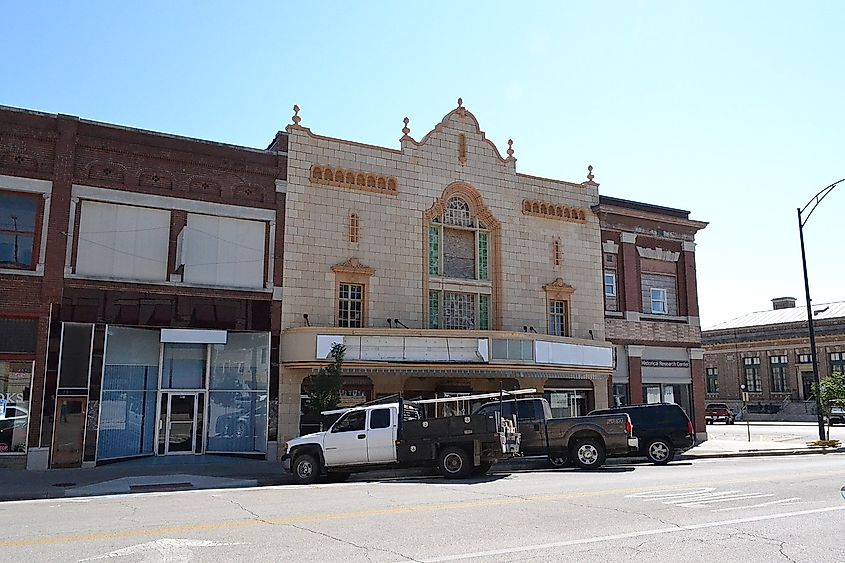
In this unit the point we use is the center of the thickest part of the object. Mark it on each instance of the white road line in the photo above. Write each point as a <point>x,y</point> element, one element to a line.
<point>669,493</point>
<point>706,496</point>
<point>781,501</point>
<point>629,535</point>
<point>700,503</point>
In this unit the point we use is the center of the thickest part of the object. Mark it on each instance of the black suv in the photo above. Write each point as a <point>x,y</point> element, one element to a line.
<point>662,429</point>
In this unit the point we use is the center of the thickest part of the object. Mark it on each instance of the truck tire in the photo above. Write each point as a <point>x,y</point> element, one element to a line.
<point>483,468</point>
<point>588,453</point>
<point>659,451</point>
<point>558,461</point>
<point>455,463</point>
<point>305,469</point>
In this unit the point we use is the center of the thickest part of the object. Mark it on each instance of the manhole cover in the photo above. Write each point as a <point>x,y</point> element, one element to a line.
<point>64,484</point>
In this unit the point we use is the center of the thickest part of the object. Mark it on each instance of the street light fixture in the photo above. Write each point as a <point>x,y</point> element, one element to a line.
<point>802,220</point>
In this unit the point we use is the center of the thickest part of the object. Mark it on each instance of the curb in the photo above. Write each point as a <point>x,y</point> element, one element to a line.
<point>761,453</point>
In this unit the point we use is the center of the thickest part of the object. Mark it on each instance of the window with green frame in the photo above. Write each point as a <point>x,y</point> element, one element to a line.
<point>459,249</point>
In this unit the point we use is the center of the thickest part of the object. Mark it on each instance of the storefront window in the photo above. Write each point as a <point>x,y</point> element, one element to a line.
<point>238,389</point>
<point>15,385</point>
<point>620,394</point>
<point>130,383</point>
<point>678,393</point>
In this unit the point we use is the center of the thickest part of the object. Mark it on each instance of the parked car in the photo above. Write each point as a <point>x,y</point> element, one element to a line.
<point>663,429</point>
<point>585,441</point>
<point>715,412</point>
<point>837,415</point>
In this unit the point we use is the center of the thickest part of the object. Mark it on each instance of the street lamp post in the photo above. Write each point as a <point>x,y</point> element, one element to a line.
<point>802,220</point>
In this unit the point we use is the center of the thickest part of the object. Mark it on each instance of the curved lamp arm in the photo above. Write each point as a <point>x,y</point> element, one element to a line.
<point>817,199</point>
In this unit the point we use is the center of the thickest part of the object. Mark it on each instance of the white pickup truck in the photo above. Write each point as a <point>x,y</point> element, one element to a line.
<point>392,433</point>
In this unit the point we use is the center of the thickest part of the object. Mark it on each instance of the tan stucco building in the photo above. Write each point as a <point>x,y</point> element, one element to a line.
<point>442,269</point>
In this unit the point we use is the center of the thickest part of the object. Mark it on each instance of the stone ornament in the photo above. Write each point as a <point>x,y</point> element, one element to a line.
<point>553,211</point>
<point>354,180</point>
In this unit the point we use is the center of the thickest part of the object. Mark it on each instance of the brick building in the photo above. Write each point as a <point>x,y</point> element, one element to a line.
<point>383,246</point>
<point>651,305</point>
<point>125,330</point>
<point>769,353</point>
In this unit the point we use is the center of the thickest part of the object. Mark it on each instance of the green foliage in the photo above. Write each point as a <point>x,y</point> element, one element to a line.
<point>326,385</point>
<point>831,393</point>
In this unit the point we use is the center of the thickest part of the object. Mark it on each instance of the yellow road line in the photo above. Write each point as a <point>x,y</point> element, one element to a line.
<point>334,516</point>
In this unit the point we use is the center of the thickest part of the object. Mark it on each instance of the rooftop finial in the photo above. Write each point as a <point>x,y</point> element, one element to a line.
<point>590,173</point>
<point>460,102</point>
<point>296,119</point>
<point>406,129</point>
<point>510,148</point>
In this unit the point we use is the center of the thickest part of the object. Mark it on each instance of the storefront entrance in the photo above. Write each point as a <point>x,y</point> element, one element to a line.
<point>181,422</point>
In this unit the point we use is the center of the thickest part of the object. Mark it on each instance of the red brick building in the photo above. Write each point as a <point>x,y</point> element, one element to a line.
<point>139,290</point>
<point>651,305</point>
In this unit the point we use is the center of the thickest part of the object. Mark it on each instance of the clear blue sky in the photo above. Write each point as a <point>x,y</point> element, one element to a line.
<point>733,110</point>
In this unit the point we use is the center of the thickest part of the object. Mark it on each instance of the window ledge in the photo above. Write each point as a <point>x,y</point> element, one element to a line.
<point>664,318</point>
<point>618,314</point>
<point>39,273</point>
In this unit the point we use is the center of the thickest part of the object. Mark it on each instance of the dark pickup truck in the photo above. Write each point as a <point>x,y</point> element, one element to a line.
<point>585,441</point>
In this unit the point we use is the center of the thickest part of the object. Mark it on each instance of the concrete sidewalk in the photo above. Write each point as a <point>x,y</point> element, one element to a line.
<point>141,475</point>
<point>737,448</point>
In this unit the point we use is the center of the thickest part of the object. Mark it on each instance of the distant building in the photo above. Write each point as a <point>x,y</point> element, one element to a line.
<point>769,353</point>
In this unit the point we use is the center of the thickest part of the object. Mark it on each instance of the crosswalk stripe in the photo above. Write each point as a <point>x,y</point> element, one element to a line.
<point>781,501</point>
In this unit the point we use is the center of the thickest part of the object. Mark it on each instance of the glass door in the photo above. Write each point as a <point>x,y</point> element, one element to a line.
<point>180,424</point>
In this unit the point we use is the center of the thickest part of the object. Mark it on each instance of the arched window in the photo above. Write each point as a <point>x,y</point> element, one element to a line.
<point>457,213</point>
<point>459,249</point>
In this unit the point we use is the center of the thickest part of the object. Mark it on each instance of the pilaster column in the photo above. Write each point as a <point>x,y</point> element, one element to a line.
<point>635,374</point>
<point>631,297</point>
<point>696,356</point>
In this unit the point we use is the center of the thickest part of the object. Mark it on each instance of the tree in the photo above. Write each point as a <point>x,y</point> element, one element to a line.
<point>831,393</point>
<point>326,385</point>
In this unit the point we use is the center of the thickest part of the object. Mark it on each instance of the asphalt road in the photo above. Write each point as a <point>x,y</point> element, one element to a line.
<point>750,509</point>
<point>798,432</point>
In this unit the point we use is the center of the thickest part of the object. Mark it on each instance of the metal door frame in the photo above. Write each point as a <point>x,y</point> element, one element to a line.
<point>167,421</point>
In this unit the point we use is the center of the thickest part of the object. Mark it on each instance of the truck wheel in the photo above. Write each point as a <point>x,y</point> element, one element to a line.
<point>483,468</point>
<point>588,453</point>
<point>558,461</point>
<point>455,463</point>
<point>659,451</point>
<point>306,469</point>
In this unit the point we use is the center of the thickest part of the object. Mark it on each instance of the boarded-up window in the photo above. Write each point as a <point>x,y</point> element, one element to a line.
<point>459,254</point>
<point>122,242</point>
<point>222,251</point>
<point>663,282</point>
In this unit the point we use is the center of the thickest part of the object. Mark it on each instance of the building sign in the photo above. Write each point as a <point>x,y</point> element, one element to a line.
<point>665,363</point>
